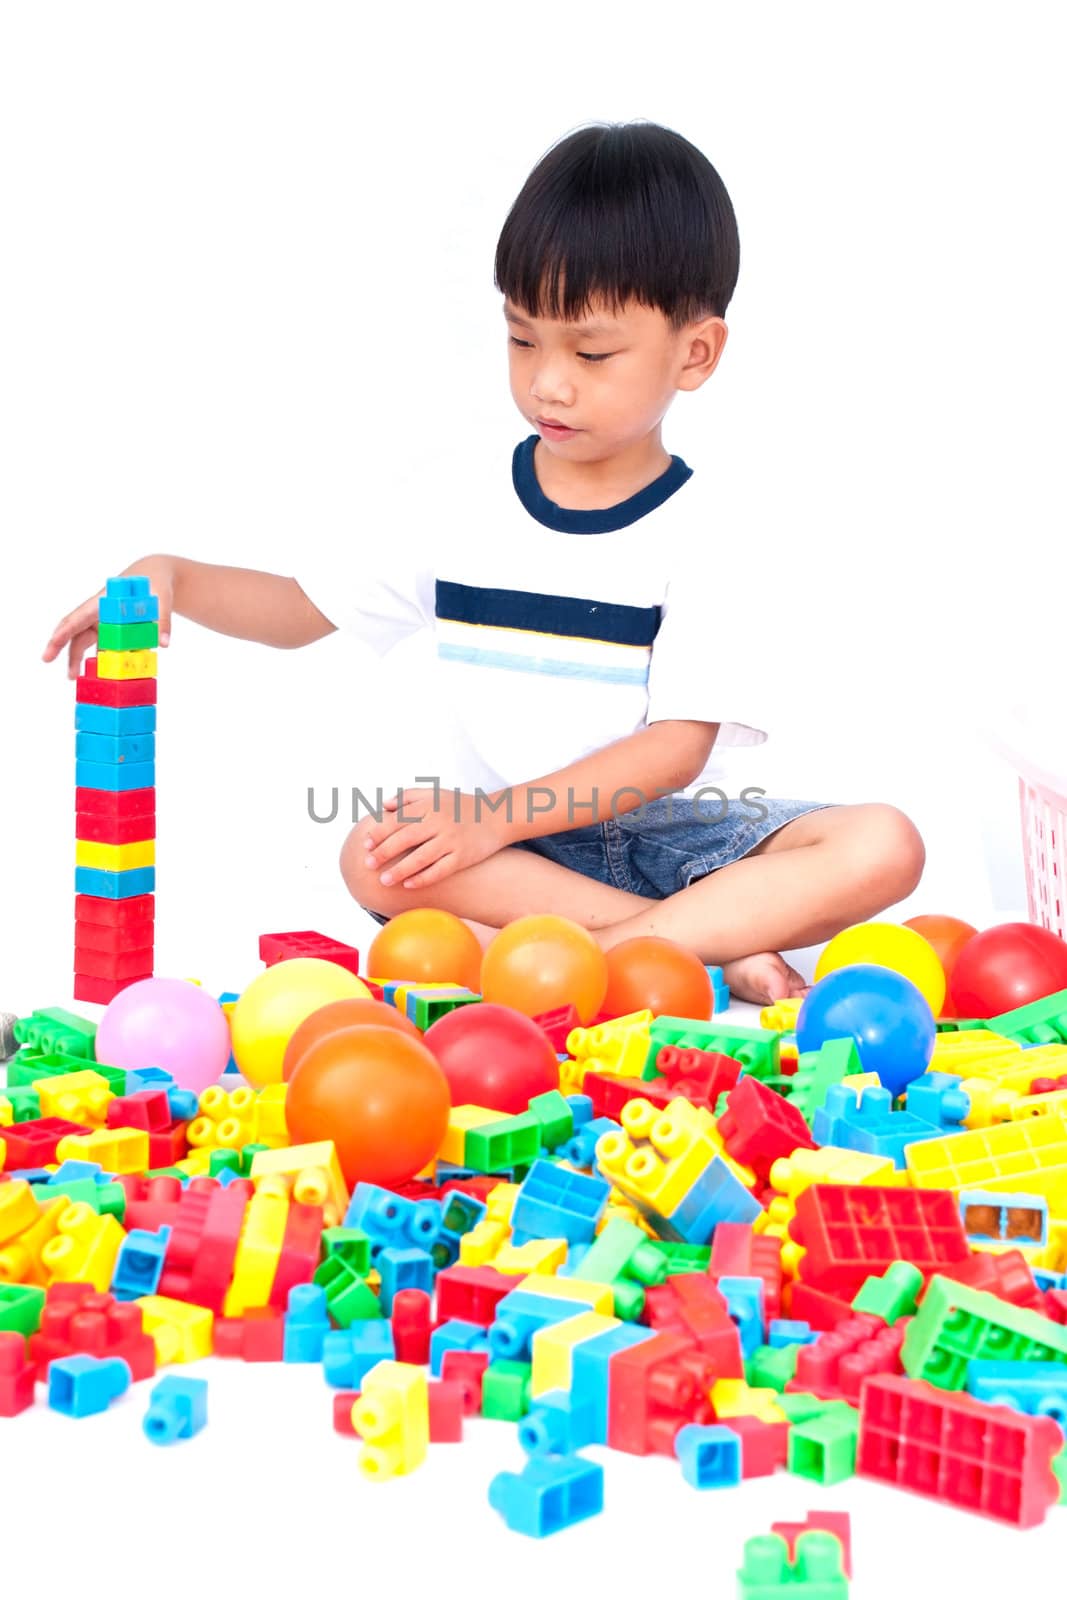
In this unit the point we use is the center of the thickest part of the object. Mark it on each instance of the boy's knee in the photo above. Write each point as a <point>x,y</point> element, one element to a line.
<point>360,880</point>
<point>894,851</point>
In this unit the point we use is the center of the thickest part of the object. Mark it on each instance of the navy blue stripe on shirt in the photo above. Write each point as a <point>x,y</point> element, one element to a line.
<point>560,615</point>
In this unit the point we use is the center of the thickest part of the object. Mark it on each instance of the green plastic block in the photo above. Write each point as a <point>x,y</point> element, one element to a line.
<point>802,1407</point>
<point>1041,1022</point>
<point>956,1324</point>
<point>224,1161</point>
<point>961,1024</point>
<point>683,1257</point>
<point>824,1448</point>
<point>555,1116</point>
<point>770,1367</point>
<point>249,1152</point>
<point>106,1199</point>
<point>351,1244</point>
<point>426,1009</point>
<point>818,1070</point>
<point>500,1146</point>
<point>21,1305</point>
<point>53,1031</point>
<point>127,635</point>
<point>816,1573</point>
<point>757,1049</point>
<point>30,1066</point>
<point>25,1103</point>
<point>506,1390</point>
<point>166,1172</point>
<point>892,1296</point>
<point>1059,1467</point>
<point>349,1298</point>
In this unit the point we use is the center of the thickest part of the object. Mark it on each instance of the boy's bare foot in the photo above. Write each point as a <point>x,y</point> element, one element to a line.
<point>762,979</point>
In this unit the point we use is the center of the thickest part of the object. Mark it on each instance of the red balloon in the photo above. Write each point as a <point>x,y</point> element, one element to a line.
<point>1005,967</point>
<point>493,1056</point>
<point>660,976</point>
<point>342,1014</point>
<point>947,935</point>
<point>381,1098</point>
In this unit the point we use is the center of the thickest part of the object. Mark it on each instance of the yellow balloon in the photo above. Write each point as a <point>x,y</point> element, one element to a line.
<point>888,944</point>
<point>274,1005</point>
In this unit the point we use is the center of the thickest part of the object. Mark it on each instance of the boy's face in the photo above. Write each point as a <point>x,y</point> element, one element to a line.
<point>610,377</point>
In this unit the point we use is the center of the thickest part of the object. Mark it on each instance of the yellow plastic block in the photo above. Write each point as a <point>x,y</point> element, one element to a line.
<point>553,1349</point>
<point>955,1052</point>
<point>226,1120</point>
<point>18,1209</point>
<point>118,1150</point>
<point>461,1119</point>
<point>20,1257</point>
<point>500,1202</point>
<point>1040,1105</point>
<point>1057,1244</point>
<point>732,1397</point>
<point>596,1296</point>
<point>81,1096</point>
<point>1023,1157</point>
<point>479,1246</point>
<point>543,1256</point>
<point>660,1154</point>
<point>181,1332</point>
<point>7,1118</point>
<point>989,1102</point>
<point>392,1416</point>
<point>790,1175</point>
<point>781,1017</point>
<point>197,1164</point>
<point>258,1249</point>
<point>126,663</point>
<point>84,1248</point>
<point>571,1073</point>
<point>268,1123</point>
<point>313,1174</point>
<point>858,1081</point>
<point>618,1048</point>
<point>115,857</point>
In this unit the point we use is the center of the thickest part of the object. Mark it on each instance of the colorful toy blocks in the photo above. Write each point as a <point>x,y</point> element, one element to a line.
<point>83,1386</point>
<point>851,1231</point>
<point>393,1419</point>
<point>551,1493</point>
<point>956,1325</point>
<point>275,947</point>
<point>17,1374</point>
<point>1037,1387</point>
<point>1029,1155</point>
<point>815,1572</point>
<point>710,1456</point>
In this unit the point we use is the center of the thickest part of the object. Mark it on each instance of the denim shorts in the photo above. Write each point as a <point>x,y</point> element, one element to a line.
<point>666,844</point>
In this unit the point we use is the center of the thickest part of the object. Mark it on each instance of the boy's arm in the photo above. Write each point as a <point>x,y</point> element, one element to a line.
<point>622,776</point>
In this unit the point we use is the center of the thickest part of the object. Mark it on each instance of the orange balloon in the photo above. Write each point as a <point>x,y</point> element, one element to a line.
<point>948,935</point>
<point>380,1096</point>
<point>427,946</point>
<point>538,963</point>
<point>660,976</point>
<point>342,1014</point>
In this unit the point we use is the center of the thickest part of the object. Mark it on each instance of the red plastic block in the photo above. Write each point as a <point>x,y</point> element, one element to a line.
<point>446,1413</point>
<point>764,1445</point>
<point>274,947</point>
<point>103,829</point>
<point>852,1231</point>
<point>33,1144</point>
<point>817,1307</point>
<point>737,1252</point>
<point>300,1252</point>
<point>94,691</point>
<point>124,966</point>
<point>1006,1275</point>
<point>1056,1305</point>
<point>17,1375</point>
<point>257,1336</point>
<point>169,1146</point>
<point>839,1362</point>
<point>151,1203</point>
<point>114,913</point>
<point>689,1304</point>
<point>342,1412</point>
<point>655,1388</point>
<point>80,1321</point>
<point>148,1109</point>
<point>98,936</point>
<point>558,1024</point>
<point>101,991</point>
<point>471,1294</point>
<point>838,1523</point>
<point>951,1447</point>
<point>412,1323</point>
<point>609,1095</point>
<point>467,1368</point>
<point>700,1075</point>
<point>215,1250</point>
<point>758,1126</point>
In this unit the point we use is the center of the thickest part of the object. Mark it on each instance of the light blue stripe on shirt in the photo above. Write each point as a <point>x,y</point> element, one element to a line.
<point>555,669</point>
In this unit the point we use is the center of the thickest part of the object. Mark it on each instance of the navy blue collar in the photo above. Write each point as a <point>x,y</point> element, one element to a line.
<point>608,520</point>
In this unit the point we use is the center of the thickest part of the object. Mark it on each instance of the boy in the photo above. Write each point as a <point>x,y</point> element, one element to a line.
<point>598,689</point>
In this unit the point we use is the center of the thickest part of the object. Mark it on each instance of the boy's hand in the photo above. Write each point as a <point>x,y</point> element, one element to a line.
<point>78,628</point>
<point>442,838</point>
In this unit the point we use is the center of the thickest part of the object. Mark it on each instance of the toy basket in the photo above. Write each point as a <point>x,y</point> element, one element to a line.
<point>1043,813</point>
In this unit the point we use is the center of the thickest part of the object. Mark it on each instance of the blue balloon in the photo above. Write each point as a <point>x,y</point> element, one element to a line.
<point>882,1011</point>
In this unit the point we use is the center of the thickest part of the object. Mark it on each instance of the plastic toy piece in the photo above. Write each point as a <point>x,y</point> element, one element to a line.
<point>1037,1387</point>
<point>390,1219</point>
<point>139,1265</point>
<point>17,1374</point>
<point>471,1294</point>
<point>893,1295</point>
<point>392,1417</point>
<point>850,1232</point>
<point>552,1349</point>
<point>54,1031</point>
<point>555,1116</point>
<point>624,1257</point>
<point>760,1126</point>
<point>502,1144</point>
<point>710,1456</point>
<point>411,1320</point>
<point>467,1369</point>
<point>177,1409</point>
<point>654,1388</point>
<point>558,1424</point>
<point>256,1337</point>
<point>823,1448</point>
<point>446,1412</point>
<point>21,1306</point>
<point>550,1494</point>
<point>1040,1022</point>
<point>1029,1155</point>
<point>127,601</point>
<point>956,1325</point>
<point>275,947</point>
<point>180,1332</point>
<point>557,1204</point>
<point>756,1050</point>
<point>864,1119</point>
<point>306,1324</point>
<point>1004,1218</point>
<point>690,1305</point>
<point>816,1573</point>
<point>609,1095</point>
<point>838,1363</point>
<point>951,1447</point>
<point>839,1523</point>
<point>83,1386</point>
<point>506,1390</point>
<point>737,1251</point>
<point>350,1353</point>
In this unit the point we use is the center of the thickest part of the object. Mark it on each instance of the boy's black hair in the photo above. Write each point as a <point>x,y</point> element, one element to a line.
<point>624,211</point>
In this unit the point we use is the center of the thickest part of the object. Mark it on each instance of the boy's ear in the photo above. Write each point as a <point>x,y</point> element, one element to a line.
<point>701,345</point>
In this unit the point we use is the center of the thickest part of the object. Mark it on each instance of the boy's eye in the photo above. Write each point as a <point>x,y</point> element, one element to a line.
<point>524,344</point>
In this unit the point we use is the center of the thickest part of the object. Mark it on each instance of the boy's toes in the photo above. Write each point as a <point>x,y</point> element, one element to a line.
<point>762,979</point>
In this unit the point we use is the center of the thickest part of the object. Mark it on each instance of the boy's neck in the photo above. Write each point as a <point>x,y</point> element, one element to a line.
<point>599,485</point>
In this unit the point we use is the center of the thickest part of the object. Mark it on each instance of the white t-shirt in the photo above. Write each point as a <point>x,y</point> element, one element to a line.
<point>558,632</point>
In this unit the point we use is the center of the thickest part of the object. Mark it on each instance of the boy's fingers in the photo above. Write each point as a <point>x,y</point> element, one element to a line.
<point>66,629</point>
<point>78,646</point>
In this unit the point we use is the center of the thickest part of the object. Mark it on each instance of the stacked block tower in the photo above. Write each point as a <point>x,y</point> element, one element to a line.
<point>115,802</point>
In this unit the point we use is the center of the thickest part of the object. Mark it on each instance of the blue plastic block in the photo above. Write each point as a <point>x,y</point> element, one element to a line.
<point>744,1298</point>
<point>114,885</point>
<point>349,1353</point>
<point>459,1214</point>
<point>115,779</point>
<point>127,600</point>
<point>184,1104</point>
<point>33,1175</point>
<point>720,999</point>
<point>717,1196</point>
<point>581,1106</point>
<point>391,1220</point>
<point>782,1332</point>
<point>139,1265</point>
<point>122,750</point>
<point>1049,1280</point>
<point>121,722</point>
<point>454,1335</point>
<point>937,1098</point>
<point>558,1424</point>
<point>177,1409</point>
<point>551,1493</point>
<point>554,1203</point>
<point>710,1456</point>
<point>518,1317</point>
<point>852,1119</point>
<point>403,1269</point>
<point>1013,1219</point>
<point>150,1078</point>
<point>82,1386</point>
<point>306,1323</point>
<point>1036,1387</point>
<point>590,1364</point>
<point>581,1148</point>
<point>76,1171</point>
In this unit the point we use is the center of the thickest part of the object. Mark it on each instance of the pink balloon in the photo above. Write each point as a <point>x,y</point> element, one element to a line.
<point>168,1023</point>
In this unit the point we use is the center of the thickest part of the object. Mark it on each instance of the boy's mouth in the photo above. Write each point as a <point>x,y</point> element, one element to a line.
<point>556,430</point>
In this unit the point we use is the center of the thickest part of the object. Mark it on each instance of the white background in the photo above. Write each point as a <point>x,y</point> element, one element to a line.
<point>247,273</point>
